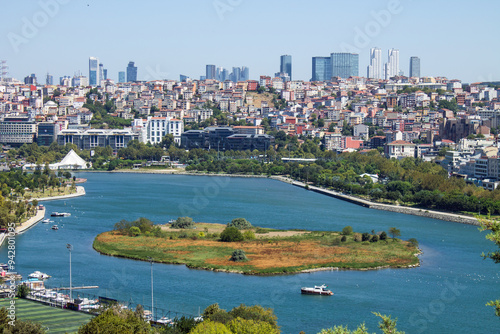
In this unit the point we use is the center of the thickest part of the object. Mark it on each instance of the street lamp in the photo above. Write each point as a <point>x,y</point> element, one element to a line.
<point>70,248</point>
<point>152,300</point>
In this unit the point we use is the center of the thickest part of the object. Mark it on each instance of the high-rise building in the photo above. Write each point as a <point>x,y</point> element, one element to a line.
<point>345,65</point>
<point>210,72</point>
<point>224,75</point>
<point>121,77</point>
<point>101,72</point>
<point>131,72</point>
<point>94,71</point>
<point>415,67</point>
<point>321,69</point>
<point>286,65</point>
<point>183,78</point>
<point>236,75</point>
<point>49,79</point>
<point>105,73</point>
<point>391,68</point>
<point>375,68</point>
<point>245,73</point>
<point>30,79</point>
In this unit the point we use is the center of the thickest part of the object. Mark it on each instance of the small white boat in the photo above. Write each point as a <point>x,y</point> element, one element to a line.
<point>165,321</point>
<point>55,227</point>
<point>39,275</point>
<point>47,221</point>
<point>60,214</point>
<point>317,290</point>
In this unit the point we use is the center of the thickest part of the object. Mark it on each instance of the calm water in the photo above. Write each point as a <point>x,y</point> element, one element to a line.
<point>447,294</point>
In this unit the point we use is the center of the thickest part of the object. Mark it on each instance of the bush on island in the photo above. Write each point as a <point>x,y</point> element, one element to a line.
<point>383,236</point>
<point>183,222</point>
<point>343,239</point>
<point>249,235</point>
<point>238,256</point>
<point>240,223</point>
<point>347,230</point>
<point>231,234</point>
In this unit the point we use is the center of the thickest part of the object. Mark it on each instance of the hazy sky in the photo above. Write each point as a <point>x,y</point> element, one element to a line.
<point>165,38</point>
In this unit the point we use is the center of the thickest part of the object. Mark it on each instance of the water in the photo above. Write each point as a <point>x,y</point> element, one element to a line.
<point>447,294</point>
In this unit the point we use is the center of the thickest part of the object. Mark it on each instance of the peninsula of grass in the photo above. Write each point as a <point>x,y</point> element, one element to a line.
<point>265,251</point>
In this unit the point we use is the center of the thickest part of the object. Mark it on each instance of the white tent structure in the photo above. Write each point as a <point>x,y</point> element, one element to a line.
<point>70,161</point>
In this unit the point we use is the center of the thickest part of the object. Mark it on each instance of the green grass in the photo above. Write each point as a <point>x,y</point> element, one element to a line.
<point>54,320</point>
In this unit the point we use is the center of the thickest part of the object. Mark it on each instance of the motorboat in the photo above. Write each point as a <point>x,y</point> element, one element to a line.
<point>47,221</point>
<point>165,321</point>
<point>55,227</point>
<point>317,290</point>
<point>60,214</point>
<point>39,275</point>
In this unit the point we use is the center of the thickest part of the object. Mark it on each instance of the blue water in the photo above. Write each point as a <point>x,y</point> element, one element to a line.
<point>447,294</point>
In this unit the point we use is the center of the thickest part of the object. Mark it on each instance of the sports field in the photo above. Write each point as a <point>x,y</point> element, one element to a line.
<point>53,320</point>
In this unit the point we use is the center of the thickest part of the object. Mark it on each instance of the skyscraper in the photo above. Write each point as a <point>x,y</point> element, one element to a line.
<point>245,73</point>
<point>210,72</point>
<point>236,75</point>
<point>286,65</point>
<point>94,71</point>
<point>121,77</point>
<point>321,68</point>
<point>49,79</point>
<point>414,67</point>
<point>345,65</point>
<point>391,68</point>
<point>131,72</point>
<point>101,72</point>
<point>375,68</point>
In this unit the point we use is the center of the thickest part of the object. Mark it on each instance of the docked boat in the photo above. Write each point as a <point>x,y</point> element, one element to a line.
<point>55,227</point>
<point>165,321</point>
<point>60,214</point>
<point>39,275</point>
<point>47,221</point>
<point>317,290</point>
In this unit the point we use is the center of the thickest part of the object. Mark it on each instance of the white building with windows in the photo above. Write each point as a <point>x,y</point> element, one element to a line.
<point>158,127</point>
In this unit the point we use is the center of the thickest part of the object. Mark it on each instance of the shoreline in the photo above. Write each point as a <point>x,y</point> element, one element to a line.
<point>451,217</point>
<point>40,214</point>
<point>80,191</point>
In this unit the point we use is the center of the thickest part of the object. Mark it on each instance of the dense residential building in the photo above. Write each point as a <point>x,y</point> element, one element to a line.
<point>131,72</point>
<point>321,68</point>
<point>391,68</point>
<point>94,72</point>
<point>345,65</point>
<point>414,67</point>
<point>399,149</point>
<point>374,70</point>
<point>286,65</point>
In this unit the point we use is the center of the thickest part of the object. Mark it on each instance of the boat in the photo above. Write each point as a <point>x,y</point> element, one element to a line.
<point>165,321</point>
<point>317,290</point>
<point>39,275</point>
<point>55,227</point>
<point>60,214</point>
<point>47,221</point>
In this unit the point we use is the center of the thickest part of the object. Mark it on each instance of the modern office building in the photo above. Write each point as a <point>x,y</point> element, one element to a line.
<point>159,127</point>
<point>374,70</point>
<point>49,80</point>
<point>391,68</point>
<point>345,65</point>
<point>94,71</point>
<point>101,72</point>
<point>245,73</point>
<point>286,65</point>
<point>46,134</point>
<point>91,138</point>
<point>131,72</point>
<point>414,67</point>
<point>321,69</point>
<point>236,74</point>
<point>16,131</point>
<point>121,77</point>
<point>30,79</point>
<point>211,72</point>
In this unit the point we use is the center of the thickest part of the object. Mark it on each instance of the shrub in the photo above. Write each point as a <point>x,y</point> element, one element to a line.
<point>374,238</point>
<point>231,234</point>
<point>201,234</point>
<point>343,239</point>
<point>383,236</point>
<point>134,231</point>
<point>357,237</point>
<point>249,235</point>
<point>183,222</point>
<point>240,223</point>
<point>413,241</point>
<point>365,236</point>
<point>238,256</point>
<point>183,235</point>
<point>347,230</point>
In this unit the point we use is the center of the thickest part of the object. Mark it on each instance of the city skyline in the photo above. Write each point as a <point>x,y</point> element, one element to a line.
<point>384,24</point>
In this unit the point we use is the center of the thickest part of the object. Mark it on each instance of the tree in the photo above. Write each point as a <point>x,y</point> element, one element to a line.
<point>365,236</point>
<point>394,232</point>
<point>134,231</point>
<point>383,236</point>
<point>347,230</point>
<point>494,227</point>
<point>240,325</point>
<point>23,291</point>
<point>240,223</point>
<point>116,320</point>
<point>209,327</point>
<point>231,234</point>
<point>183,222</point>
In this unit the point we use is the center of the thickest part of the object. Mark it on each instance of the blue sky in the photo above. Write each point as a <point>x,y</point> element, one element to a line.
<point>166,38</point>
